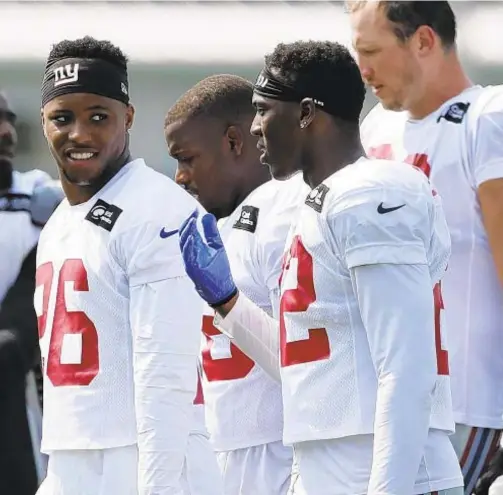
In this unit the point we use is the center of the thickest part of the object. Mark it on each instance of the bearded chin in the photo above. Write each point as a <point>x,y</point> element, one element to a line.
<point>77,182</point>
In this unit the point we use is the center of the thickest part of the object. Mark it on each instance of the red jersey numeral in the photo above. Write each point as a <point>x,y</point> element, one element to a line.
<point>316,347</point>
<point>442,355</point>
<point>385,152</point>
<point>66,322</point>
<point>236,366</point>
<point>199,398</point>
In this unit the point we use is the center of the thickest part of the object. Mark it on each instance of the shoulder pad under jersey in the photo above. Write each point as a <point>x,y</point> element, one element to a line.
<point>44,200</point>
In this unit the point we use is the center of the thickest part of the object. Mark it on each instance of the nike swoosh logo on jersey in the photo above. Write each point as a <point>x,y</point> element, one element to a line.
<point>165,234</point>
<point>381,209</point>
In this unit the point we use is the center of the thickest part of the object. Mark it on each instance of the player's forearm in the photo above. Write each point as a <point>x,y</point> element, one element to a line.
<point>254,332</point>
<point>396,303</point>
<point>400,435</point>
<point>166,323</point>
<point>402,420</point>
<point>164,419</point>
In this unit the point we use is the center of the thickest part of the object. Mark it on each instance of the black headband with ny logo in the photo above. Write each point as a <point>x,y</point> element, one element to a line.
<point>326,98</point>
<point>85,75</point>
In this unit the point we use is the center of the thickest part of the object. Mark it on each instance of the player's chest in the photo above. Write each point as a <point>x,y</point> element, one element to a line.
<point>74,240</point>
<point>74,253</point>
<point>308,254</point>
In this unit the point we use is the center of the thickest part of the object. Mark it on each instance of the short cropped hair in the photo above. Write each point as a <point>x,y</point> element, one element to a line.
<point>324,67</point>
<point>224,96</point>
<point>88,47</point>
<point>408,16</point>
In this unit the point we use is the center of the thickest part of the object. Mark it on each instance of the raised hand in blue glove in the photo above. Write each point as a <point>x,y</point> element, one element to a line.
<point>206,261</point>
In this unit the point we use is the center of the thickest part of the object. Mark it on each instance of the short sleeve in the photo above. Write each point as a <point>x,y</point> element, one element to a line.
<point>486,138</point>
<point>382,225</point>
<point>147,247</point>
<point>154,258</point>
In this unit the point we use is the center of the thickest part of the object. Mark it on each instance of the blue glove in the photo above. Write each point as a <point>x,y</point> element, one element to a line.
<point>206,261</point>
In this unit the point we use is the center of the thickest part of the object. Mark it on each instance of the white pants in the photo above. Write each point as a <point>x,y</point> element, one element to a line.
<point>260,470</point>
<point>201,475</point>
<point>342,467</point>
<point>92,472</point>
<point>474,447</point>
<point>114,471</point>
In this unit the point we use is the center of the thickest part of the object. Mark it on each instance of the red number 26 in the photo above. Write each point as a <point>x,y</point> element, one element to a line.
<point>67,322</point>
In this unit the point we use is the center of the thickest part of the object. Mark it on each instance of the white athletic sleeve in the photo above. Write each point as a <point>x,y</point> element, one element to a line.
<point>486,136</point>
<point>165,315</point>
<point>396,306</point>
<point>386,254</point>
<point>254,332</point>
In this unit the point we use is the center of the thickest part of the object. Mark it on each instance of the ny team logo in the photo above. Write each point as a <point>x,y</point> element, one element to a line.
<point>261,81</point>
<point>66,74</point>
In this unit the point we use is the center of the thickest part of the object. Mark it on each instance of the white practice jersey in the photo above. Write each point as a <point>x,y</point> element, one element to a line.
<point>119,323</point>
<point>361,215</point>
<point>243,403</point>
<point>19,235</point>
<point>459,147</point>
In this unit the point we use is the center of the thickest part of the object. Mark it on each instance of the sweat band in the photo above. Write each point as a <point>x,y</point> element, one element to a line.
<point>85,75</point>
<point>269,86</point>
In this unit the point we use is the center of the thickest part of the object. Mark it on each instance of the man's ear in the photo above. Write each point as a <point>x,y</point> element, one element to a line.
<point>235,138</point>
<point>307,112</point>
<point>129,117</point>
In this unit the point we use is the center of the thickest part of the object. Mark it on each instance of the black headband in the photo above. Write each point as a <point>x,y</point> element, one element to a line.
<point>85,75</point>
<point>269,86</point>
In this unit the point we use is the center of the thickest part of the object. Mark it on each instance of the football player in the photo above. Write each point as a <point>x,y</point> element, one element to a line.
<point>207,132</point>
<point>431,115</point>
<point>111,294</point>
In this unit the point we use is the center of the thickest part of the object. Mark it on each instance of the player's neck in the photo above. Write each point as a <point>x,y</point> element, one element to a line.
<point>257,174</point>
<point>252,174</point>
<point>331,155</point>
<point>77,194</point>
<point>449,81</point>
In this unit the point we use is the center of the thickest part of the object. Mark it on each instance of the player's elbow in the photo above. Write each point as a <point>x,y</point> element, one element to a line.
<point>416,380</point>
<point>170,373</point>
